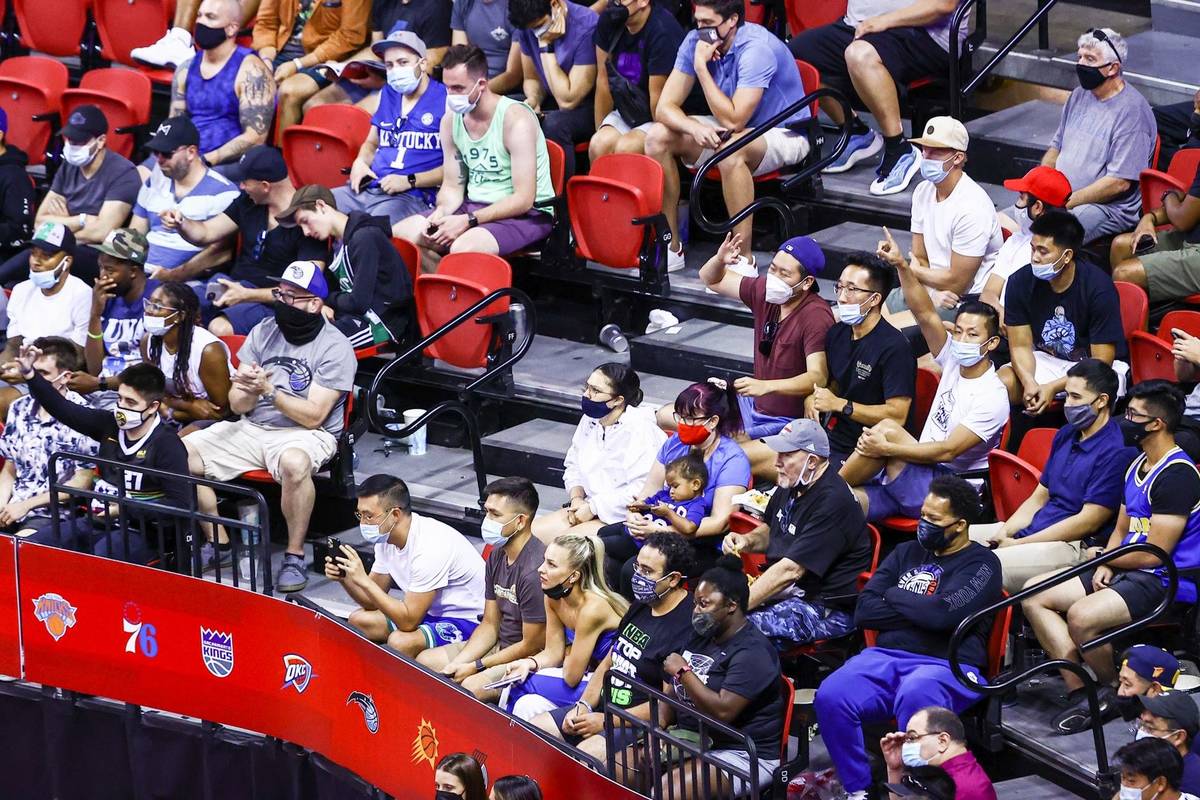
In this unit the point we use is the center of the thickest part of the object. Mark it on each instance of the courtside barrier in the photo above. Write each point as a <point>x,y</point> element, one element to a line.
<point>230,656</point>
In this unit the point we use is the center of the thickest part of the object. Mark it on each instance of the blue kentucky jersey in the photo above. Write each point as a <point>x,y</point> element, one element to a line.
<point>1137,506</point>
<point>409,144</point>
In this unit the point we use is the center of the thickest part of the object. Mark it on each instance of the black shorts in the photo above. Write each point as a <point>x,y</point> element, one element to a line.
<point>622,736</point>
<point>908,53</point>
<point>1141,591</point>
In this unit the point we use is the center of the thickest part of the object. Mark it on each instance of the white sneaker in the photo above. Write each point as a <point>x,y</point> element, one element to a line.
<point>744,266</point>
<point>172,49</point>
<point>675,260</point>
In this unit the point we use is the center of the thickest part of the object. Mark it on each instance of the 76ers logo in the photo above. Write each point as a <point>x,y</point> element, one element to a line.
<point>297,672</point>
<point>55,613</point>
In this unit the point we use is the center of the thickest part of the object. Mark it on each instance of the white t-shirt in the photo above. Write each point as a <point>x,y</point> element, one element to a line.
<point>964,223</point>
<point>978,404</point>
<point>1016,252</point>
<point>201,339</point>
<point>32,314</point>
<point>436,558</point>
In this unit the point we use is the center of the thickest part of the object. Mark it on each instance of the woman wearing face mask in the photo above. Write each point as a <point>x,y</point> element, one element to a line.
<point>728,671</point>
<point>1151,769</point>
<point>611,453</point>
<point>581,620</point>
<point>459,777</point>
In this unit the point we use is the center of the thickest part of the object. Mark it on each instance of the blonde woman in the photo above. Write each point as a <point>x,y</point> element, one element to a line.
<point>582,615</point>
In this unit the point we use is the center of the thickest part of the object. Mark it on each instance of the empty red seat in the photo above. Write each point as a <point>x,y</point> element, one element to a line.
<point>325,143</point>
<point>1135,307</point>
<point>1035,446</point>
<point>461,281</point>
<point>234,342</point>
<point>621,188</point>
<point>55,28</point>
<point>31,86</point>
<point>1150,357</point>
<point>1013,480</point>
<point>126,24</point>
<point>124,97</point>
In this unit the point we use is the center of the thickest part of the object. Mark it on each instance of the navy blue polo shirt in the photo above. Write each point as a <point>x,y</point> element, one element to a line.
<point>1079,472</point>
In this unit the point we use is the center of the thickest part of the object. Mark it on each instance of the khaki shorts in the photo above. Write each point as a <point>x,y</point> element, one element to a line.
<point>1019,563</point>
<point>230,449</point>
<point>785,148</point>
<point>489,675</point>
<point>1172,268</point>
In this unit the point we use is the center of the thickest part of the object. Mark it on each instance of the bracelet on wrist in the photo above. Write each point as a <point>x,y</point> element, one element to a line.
<point>535,665</point>
<point>585,704</point>
<point>96,336</point>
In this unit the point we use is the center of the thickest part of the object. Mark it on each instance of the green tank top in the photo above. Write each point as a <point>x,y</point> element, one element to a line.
<point>486,160</point>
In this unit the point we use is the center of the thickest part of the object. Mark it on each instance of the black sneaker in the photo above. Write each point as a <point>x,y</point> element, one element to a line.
<point>1076,718</point>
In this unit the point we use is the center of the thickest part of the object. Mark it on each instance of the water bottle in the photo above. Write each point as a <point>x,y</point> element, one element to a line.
<point>250,564</point>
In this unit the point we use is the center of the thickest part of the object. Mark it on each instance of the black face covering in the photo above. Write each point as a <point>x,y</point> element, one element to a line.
<point>298,327</point>
<point>616,15</point>
<point>207,38</point>
<point>1089,77</point>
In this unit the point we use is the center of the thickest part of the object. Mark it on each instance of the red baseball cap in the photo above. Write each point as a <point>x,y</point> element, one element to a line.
<point>1044,183</point>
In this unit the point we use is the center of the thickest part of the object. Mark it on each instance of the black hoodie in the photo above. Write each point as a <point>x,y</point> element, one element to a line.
<point>379,280</point>
<point>16,199</point>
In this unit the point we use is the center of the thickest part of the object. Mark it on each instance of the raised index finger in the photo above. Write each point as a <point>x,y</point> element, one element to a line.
<point>888,234</point>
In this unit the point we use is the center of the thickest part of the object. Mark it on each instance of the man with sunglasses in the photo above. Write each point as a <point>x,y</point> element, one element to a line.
<point>1105,138</point>
<point>296,371</point>
<point>935,737</point>
<point>1161,507</point>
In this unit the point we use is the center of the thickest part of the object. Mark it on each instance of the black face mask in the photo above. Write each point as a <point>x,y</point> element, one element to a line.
<point>1194,124</point>
<point>444,795</point>
<point>615,15</point>
<point>207,38</point>
<point>1133,432</point>
<point>298,327</point>
<point>560,591</point>
<point>1089,77</point>
<point>1130,707</point>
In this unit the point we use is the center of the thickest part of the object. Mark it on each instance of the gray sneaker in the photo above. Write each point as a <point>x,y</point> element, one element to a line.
<point>211,556</point>
<point>291,576</point>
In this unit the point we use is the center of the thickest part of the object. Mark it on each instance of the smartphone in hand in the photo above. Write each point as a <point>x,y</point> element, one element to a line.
<point>335,550</point>
<point>709,35</point>
<point>1144,245</point>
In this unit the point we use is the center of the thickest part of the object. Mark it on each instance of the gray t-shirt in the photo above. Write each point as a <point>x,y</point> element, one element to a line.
<point>516,589</point>
<point>116,179</point>
<point>485,22</point>
<point>939,29</point>
<point>327,360</point>
<point>1113,137</point>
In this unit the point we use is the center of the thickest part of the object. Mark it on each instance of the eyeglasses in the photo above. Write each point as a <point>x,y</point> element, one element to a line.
<point>156,308</point>
<point>593,392</point>
<point>361,517</point>
<point>291,299</point>
<point>1099,35</point>
<point>913,736</point>
<point>840,287</point>
<point>767,342</point>
<point>682,420</point>
<point>1137,416</point>
<point>1138,725</point>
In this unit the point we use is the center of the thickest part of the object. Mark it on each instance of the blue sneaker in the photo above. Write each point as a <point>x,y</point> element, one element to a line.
<point>900,176</point>
<point>861,147</point>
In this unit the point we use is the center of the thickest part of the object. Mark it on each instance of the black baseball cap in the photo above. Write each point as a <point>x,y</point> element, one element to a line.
<point>172,134</point>
<point>85,123</point>
<point>259,163</point>
<point>53,237</point>
<point>1177,706</point>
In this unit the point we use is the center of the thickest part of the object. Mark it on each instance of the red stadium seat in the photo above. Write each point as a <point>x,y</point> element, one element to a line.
<point>31,86</point>
<point>1186,321</point>
<point>1013,481</point>
<point>126,24</point>
<point>927,384</point>
<point>462,280</point>
<point>620,188</point>
<point>410,255</point>
<point>234,342</point>
<point>124,97</point>
<point>558,165</point>
<point>1035,446</point>
<point>262,476</point>
<point>787,691</point>
<point>803,15</point>
<point>1179,177</point>
<point>1135,307</point>
<point>55,28</point>
<point>1150,357</point>
<point>997,640</point>
<point>318,149</point>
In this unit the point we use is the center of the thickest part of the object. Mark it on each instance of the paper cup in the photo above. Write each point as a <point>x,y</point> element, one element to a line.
<point>417,441</point>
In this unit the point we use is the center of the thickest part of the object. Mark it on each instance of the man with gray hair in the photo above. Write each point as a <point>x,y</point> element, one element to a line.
<point>815,538</point>
<point>1104,140</point>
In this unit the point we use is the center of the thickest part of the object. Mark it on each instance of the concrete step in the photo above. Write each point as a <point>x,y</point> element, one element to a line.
<point>695,350</point>
<point>1176,16</point>
<point>1031,787</point>
<point>846,238</point>
<point>1006,144</point>
<point>533,450</point>
<point>851,190</point>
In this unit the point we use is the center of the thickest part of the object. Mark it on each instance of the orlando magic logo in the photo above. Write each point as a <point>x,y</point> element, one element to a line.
<point>298,371</point>
<point>297,672</point>
<point>367,704</point>
<point>216,649</point>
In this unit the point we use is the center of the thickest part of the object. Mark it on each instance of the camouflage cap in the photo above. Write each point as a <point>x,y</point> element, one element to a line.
<point>125,244</point>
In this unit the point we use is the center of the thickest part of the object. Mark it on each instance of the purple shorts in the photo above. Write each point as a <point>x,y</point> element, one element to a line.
<point>514,233</point>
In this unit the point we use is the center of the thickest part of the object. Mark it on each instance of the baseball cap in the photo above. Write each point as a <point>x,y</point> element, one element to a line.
<point>944,132</point>
<point>1044,183</point>
<point>805,250</point>
<point>403,38</point>
<point>85,123</point>
<point>53,237</point>
<point>305,275</point>
<point>125,244</point>
<point>800,434</point>
<point>260,163</point>
<point>306,197</point>
<point>1177,706</point>
<point>172,134</point>
<point>1152,663</point>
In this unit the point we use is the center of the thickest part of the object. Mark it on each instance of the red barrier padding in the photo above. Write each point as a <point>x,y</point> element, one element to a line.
<point>10,630</point>
<point>230,656</point>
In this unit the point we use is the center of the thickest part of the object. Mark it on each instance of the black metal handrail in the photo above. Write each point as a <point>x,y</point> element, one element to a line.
<point>776,204</point>
<point>1089,684</point>
<point>455,407</point>
<point>959,93</point>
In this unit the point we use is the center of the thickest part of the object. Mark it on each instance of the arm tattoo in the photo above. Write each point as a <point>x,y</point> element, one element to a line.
<point>462,168</point>
<point>257,103</point>
<point>178,98</point>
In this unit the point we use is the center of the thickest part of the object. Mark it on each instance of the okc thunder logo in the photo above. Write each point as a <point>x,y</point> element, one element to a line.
<point>297,672</point>
<point>923,580</point>
<point>55,613</point>
<point>299,372</point>
<point>367,704</point>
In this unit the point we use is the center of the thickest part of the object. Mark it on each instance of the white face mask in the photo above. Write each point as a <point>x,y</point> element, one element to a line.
<point>1134,793</point>
<point>404,80</point>
<point>78,155</point>
<point>156,326</point>
<point>778,291</point>
<point>461,103</point>
<point>372,533</point>
<point>910,754</point>
<point>128,418</point>
<point>1022,218</point>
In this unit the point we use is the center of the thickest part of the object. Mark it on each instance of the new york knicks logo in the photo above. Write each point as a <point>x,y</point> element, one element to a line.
<point>216,648</point>
<point>297,672</point>
<point>53,611</point>
<point>367,704</point>
<point>425,746</point>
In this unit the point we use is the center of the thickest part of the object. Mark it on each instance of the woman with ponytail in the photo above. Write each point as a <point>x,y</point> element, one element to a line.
<point>611,452</point>
<point>582,615</point>
<point>195,362</point>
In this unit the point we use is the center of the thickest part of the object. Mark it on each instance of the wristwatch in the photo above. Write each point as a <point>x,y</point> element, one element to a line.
<point>472,221</point>
<point>546,48</point>
<point>269,396</point>
<point>479,667</point>
<point>848,409</point>
<point>412,181</point>
<point>102,384</point>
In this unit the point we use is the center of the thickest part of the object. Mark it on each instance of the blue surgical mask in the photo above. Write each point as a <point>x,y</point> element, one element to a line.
<point>1046,271</point>
<point>967,354</point>
<point>404,80</point>
<point>371,533</point>
<point>47,279</point>
<point>851,313</point>
<point>934,170</point>
<point>493,531</point>
<point>910,754</point>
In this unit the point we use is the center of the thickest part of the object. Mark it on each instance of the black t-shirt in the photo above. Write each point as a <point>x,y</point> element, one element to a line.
<point>643,643</point>
<point>429,19</point>
<point>650,51</point>
<point>1065,325</point>
<point>866,371</point>
<point>824,531</point>
<point>748,666</point>
<point>263,254</point>
<point>1174,491</point>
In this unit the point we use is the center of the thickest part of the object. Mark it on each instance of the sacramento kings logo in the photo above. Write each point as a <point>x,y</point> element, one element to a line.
<point>217,650</point>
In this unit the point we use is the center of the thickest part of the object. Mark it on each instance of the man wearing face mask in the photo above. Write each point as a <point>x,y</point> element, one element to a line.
<point>177,45</point>
<point>91,193</point>
<point>182,182</point>
<point>1073,508</point>
<point>1174,718</point>
<point>955,231</point>
<point>790,323</point>
<point>399,164</point>
<point>935,737</point>
<point>51,301</point>
<point>226,89</point>
<point>514,610</point>
<point>1060,309</point>
<point>291,387</point>
<point>915,600</point>
<point>1105,138</point>
<point>437,569</point>
<point>1150,770</point>
<point>1162,507</point>
<point>816,542</point>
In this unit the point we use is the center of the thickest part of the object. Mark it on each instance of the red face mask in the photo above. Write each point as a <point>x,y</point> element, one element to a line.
<point>693,435</point>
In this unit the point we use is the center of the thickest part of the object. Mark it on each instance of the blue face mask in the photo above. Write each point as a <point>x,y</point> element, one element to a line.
<point>47,279</point>
<point>404,80</point>
<point>910,754</point>
<point>967,354</point>
<point>931,536</point>
<point>645,590</point>
<point>493,531</point>
<point>934,170</point>
<point>1046,272</point>
<point>594,408</point>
